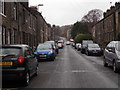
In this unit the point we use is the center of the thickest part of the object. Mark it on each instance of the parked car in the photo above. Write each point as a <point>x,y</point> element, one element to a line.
<point>67,43</point>
<point>77,45</point>
<point>93,49</point>
<point>45,52</point>
<point>71,40</point>
<point>61,41</point>
<point>73,44</point>
<point>84,45</point>
<point>18,63</point>
<point>54,45</point>
<point>60,45</point>
<point>112,55</point>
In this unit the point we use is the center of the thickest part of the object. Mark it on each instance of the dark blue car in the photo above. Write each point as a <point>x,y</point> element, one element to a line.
<point>45,52</point>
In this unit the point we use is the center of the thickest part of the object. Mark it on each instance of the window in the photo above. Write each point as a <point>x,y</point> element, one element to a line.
<point>8,37</point>
<point>11,50</point>
<point>23,16</point>
<point>13,36</point>
<point>2,6</point>
<point>3,35</point>
<point>30,20</point>
<point>119,17</point>
<point>0,35</point>
<point>28,52</point>
<point>15,11</point>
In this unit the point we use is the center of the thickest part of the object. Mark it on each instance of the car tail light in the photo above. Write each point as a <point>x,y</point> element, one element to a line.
<point>21,59</point>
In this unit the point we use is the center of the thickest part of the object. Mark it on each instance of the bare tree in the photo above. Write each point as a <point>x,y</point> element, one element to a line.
<point>93,16</point>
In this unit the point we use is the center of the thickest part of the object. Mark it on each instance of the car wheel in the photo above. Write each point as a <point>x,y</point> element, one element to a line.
<point>82,51</point>
<point>87,52</point>
<point>36,73</point>
<point>104,62</point>
<point>115,69</point>
<point>27,79</point>
<point>57,52</point>
<point>53,58</point>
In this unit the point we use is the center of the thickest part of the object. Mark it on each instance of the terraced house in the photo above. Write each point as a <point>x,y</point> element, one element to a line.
<point>108,28</point>
<point>21,25</point>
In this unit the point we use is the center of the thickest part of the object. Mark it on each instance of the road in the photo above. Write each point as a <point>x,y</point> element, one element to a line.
<point>71,69</point>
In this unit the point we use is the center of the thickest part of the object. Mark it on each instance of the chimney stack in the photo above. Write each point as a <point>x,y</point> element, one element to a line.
<point>34,8</point>
<point>117,5</point>
<point>112,8</point>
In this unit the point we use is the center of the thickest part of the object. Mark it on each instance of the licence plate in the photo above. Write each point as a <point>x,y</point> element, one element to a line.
<point>94,52</point>
<point>42,55</point>
<point>6,63</point>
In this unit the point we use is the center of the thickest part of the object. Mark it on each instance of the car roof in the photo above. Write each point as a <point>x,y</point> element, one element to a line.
<point>87,40</point>
<point>50,41</point>
<point>15,45</point>
<point>93,44</point>
<point>46,44</point>
<point>115,41</point>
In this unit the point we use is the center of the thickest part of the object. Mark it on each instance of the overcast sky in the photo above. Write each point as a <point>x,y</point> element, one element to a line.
<point>65,12</point>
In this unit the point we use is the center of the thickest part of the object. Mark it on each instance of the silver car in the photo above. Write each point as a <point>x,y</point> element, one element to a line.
<point>112,55</point>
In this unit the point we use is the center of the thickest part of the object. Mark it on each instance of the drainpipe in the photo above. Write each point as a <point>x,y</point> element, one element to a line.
<point>114,26</point>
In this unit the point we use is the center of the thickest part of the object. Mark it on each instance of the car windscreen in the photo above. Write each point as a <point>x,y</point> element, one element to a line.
<point>118,46</point>
<point>59,44</point>
<point>44,47</point>
<point>93,46</point>
<point>10,51</point>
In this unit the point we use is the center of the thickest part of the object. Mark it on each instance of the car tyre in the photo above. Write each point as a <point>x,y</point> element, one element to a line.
<point>87,53</point>
<point>52,59</point>
<point>115,69</point>
<point>36,73</point>
<point>104,62</point>
<point>57,52</point>
<point>82,51</point>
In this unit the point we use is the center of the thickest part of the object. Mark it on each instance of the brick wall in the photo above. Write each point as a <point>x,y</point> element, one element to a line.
<point>22,25</point>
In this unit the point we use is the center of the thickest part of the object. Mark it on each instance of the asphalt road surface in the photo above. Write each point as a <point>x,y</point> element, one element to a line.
<point>71,69</point>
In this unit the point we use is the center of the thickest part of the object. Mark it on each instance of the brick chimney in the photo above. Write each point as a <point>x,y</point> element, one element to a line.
<point>112,8</point>
<point>34,8</point>
<point>108,12</point>
<point>104,14</point>
<point>117,5</point>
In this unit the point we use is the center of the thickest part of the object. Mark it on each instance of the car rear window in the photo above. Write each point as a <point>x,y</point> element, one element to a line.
<point>87,42</point>
<point>93,46</point>
<point>10,51</point>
